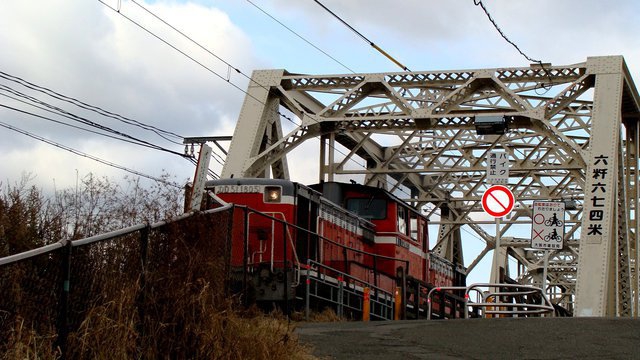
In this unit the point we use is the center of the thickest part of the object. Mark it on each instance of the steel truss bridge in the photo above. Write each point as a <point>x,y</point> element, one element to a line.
<point>571,135</point>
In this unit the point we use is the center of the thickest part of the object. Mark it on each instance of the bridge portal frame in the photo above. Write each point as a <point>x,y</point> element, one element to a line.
<point>572,135</point>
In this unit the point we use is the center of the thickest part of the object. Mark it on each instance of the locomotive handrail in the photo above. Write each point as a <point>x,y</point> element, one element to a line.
<point>324,238</point>
<point>340,281</point>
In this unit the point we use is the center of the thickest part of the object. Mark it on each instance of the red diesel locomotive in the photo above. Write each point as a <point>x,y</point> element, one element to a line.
<point>346,231</point>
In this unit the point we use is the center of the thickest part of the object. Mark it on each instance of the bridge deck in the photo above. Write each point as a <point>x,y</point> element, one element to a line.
<point>533,338</point>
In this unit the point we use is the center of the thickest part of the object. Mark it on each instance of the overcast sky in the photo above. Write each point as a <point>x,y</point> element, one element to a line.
<point>87,51</point>
<point>84,50</point>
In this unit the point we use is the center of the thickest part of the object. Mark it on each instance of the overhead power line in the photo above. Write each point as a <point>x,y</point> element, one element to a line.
<point>158,37</point>
<point>80,119</point>
<point>78,127</point>
<point>83,154</point>
<point>217,74</point>
<point>86,106</point>
<point>300,36</point>
<point>495,25</point>
<point>371,43</point>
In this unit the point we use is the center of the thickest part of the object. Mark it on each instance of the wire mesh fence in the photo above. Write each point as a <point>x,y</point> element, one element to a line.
<point>147,291</point>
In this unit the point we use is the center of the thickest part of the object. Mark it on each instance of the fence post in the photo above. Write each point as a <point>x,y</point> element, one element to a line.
<point>142,291</point>
<point>63,313</point>
<point>227,252</point>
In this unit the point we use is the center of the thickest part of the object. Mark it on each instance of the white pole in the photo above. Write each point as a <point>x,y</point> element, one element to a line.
<point>495,270</point>
<point>544,272</point>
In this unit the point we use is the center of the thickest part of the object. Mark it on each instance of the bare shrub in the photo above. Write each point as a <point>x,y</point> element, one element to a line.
<point>158,293</point>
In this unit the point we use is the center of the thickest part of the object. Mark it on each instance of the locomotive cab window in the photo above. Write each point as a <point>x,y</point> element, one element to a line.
<point>402,220</point>
<point>413,227</point>
<point>272,194</point>
<point>368,208</point>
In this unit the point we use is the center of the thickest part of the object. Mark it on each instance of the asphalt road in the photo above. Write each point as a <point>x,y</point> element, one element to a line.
<point>512,338</point>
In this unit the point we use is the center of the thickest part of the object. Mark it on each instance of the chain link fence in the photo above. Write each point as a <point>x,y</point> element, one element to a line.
<point>146,291</point>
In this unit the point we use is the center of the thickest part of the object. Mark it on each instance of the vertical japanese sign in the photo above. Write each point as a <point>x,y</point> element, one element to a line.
<point>498,167</point>
<point>595,195</point>
<point>547,230</point>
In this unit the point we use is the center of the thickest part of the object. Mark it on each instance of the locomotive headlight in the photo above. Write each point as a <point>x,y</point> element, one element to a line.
<point>272,194</point>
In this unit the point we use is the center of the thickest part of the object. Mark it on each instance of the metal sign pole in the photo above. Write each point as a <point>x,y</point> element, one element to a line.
<point>496,254</point>
<point>544,272</point>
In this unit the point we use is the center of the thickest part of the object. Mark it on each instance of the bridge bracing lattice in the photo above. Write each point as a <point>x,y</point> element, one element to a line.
<point>572,135</point>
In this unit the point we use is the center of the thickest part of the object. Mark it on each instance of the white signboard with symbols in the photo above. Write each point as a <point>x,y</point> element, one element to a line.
<point>547,230</point>
<point>497,167</point>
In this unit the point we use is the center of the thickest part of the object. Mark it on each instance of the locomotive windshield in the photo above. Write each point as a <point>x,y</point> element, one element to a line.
<point>368,208</point>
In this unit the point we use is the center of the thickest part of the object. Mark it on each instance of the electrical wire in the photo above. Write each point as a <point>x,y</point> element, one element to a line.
<point>228,64</point>
<point>83,120</point>
<point>495,25</point>
<point>86,106</point>
<point>502,34</point>
<point>226,79</point>
<point>62,122</point>
<point>300,36</point>
<point>190,39</point>
<point>371,43</point>
<point>83,154</point>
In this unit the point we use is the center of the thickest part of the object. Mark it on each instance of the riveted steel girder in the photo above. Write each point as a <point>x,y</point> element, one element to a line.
<point>415,134</point>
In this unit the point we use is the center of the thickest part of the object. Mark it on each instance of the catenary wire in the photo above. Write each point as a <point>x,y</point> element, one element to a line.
<point>228,80</point>
<point>300,36</point>
<point>371,43</point>
<point>502,34</point>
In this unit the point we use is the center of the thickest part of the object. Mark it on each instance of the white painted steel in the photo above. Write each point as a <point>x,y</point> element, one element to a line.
<point>415,132</point>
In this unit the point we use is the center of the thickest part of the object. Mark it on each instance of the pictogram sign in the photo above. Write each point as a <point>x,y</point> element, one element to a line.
<point>498,201</point>
<point>547,230</point>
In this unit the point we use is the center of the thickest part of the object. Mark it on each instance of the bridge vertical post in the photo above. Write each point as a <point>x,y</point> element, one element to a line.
<point>597,274</point>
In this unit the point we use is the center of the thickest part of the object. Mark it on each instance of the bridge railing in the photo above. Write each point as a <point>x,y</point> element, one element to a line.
<point>499,300</point>
<point>129,277</point>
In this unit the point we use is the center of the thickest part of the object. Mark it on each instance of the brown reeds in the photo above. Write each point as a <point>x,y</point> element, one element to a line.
<point>161,296</point>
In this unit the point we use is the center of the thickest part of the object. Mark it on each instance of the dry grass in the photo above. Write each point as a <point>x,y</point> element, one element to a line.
<point>177,308</point>
<point>24,343</point>
<point>326,315</point>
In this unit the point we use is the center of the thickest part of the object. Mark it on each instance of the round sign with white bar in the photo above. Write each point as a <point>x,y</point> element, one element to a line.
<point>498,201</point>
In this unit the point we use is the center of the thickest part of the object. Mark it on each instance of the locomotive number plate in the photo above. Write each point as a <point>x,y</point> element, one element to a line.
<point>225,189</point>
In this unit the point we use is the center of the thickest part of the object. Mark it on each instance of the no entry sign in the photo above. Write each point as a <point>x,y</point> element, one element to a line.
<point>498,201</point>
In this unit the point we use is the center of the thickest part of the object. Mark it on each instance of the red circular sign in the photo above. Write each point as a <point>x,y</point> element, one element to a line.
<point>498,201</point>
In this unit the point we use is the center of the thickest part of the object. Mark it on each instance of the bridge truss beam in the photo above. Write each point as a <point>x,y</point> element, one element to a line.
<point>572,135</point>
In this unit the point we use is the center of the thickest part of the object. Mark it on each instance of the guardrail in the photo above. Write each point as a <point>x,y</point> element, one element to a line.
<point>500,300</point>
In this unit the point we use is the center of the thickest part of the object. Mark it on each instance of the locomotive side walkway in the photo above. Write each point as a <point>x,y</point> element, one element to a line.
<point>513,338</point>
